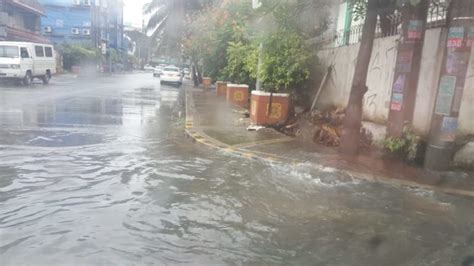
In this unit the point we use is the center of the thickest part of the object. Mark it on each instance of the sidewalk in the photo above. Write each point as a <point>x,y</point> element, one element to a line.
<point>214,123</point>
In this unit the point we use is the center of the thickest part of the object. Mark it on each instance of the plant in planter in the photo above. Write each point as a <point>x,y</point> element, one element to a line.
<point>409,147</point>
<point>284,66</point>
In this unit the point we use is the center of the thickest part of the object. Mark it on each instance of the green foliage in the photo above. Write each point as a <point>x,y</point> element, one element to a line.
<point>210,33</point>
<point>225,38</point>
<point>76,54</point>
<point>242,60</point>
<point>285,62</point>
<point>407,146</point>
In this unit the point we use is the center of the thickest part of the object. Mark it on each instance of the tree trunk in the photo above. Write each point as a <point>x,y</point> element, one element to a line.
<point>352,122</point>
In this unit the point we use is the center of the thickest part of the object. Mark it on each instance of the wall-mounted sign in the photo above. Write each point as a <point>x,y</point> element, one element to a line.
<point>456,63</point>
<point>103,48</point>
<point>470,37</point>
<point>455,37</point>
<point>449,128</point>
<point>415,30</point>
<point>445,96</point>
<point>397,102</point>
<point>447,85</point>
<point>399,84</point>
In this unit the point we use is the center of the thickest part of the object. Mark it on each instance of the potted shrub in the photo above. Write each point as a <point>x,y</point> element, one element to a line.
<point>284,66</point>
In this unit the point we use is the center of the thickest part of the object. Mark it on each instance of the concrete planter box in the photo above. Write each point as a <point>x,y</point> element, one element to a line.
<point>238,94</point>
<point>262,114</point>
<point>221,88</point>
<point>206,82</point>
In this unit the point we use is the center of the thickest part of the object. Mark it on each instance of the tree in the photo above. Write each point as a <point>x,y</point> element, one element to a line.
<point>371,9</point>
<point>167,22</point>
<point>352,121</point>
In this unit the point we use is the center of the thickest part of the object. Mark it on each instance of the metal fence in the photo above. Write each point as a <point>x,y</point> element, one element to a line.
<point>437,17</point>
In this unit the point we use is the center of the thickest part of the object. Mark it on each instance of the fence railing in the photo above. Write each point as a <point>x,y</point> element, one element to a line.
<point>437,17</point>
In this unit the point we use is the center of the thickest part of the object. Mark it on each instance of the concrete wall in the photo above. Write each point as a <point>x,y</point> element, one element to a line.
<point>380,79</point>
<point>431,63</point>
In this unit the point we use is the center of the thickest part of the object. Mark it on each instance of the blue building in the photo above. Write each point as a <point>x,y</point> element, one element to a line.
<point>90,22</point>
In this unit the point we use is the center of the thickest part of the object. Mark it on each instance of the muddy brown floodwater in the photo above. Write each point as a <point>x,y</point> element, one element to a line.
<point>96,172</point>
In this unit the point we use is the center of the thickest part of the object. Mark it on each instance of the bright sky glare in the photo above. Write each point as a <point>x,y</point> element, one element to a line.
<point>133,12</point>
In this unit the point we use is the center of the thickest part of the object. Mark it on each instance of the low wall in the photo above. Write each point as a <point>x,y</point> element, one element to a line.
<point>380,78</point>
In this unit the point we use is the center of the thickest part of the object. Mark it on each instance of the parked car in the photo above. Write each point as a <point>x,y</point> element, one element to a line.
<point>171,74</point>
<point>25,61</point>
<point>148,68</point>
<point>158,71</point>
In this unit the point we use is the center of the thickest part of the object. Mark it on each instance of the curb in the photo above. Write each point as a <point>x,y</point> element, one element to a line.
<point>200,137</point>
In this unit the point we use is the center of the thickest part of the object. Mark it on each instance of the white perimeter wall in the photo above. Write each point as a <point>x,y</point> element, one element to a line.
<point>380,79</point>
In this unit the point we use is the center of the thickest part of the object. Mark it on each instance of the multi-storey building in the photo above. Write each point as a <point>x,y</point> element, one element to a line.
<point>92,22</point>
<point>20,21</point>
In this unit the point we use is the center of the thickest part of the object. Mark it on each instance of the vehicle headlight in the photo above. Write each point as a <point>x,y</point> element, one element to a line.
<point>15,66</point>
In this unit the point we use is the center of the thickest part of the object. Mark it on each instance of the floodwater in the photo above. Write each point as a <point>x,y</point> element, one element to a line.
<point>97,172</point>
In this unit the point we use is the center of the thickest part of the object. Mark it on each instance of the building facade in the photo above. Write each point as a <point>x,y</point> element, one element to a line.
<point>20,20</point>
<point>89,22</point>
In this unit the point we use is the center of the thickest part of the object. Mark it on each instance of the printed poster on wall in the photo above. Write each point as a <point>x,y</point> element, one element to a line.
<point>415,30</point>
<point>447,88</point>
<point>399,84</point>
<point>449,128</point>
<point>470,37</point>
<point>397,102</point>
<point>455,37</point>
<point>457,63</point>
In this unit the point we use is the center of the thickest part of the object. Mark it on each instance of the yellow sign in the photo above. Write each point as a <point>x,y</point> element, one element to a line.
<point>238,96</point>
<point>277,110</point>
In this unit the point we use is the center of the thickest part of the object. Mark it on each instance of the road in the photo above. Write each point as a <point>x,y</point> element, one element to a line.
<point>97,172</point>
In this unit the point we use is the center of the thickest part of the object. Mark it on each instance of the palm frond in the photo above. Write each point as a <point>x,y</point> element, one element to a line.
<point>157,18</point>
<point>153,6</point>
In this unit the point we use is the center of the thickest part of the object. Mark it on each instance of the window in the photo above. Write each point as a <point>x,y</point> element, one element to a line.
<point>9,51</point>
<point>171,69</point>
<point>75,31</point>
<point>24,53</point>
<point>39,51</point>
<point>48,51</point>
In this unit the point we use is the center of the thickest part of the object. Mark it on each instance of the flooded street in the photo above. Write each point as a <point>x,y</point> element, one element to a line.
<point>98,172</point>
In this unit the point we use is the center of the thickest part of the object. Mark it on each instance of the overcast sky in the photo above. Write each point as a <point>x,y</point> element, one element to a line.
<point>133,12</point>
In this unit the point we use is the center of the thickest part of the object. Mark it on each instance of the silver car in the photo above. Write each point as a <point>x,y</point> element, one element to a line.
<point>171,74</point>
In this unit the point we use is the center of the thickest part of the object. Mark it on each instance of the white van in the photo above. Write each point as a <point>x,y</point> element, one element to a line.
<point>25,61</point>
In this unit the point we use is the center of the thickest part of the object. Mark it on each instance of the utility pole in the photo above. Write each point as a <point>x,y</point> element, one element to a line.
<point>407,70</point>
<point>255,5</point>
<point>444,122</point>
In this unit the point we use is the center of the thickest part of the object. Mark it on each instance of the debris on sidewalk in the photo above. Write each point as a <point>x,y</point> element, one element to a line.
<point>254,128</point>
<point>324,127</point>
